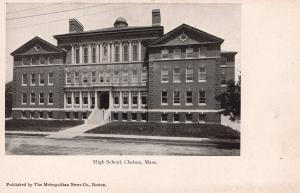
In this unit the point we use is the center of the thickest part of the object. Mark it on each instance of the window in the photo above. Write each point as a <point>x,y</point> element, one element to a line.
<point>101,77</point>
<point>176,75</point>
<point>105,52</point>
<point>202,74</point>
<point>117,53</point>
<point>125,96</point>
<point>125,52</point>
<point>77,98</point>
<point>32,98</point>
<point>24,98</point>
<point>116,76</point>
<point>50,115</point>
<point>34,61</point>
<point>116,98</point>
<point>85,55</point>
<point>176,117</point>
<point>42,60</point>
<point>84,115</point>
<point>50,98</point>
<point>164,75</point>
<point>188,117</point>
<point>33,79</point>
<point>134,116</point>
<point>176,98</point>
<point>144,98</point>
<point>76,78</point>
<point>76,115</point>
<point>189,74</point>
<point>23,114</point>
<point>164,98</point>
<point>107,77</point>
<point>77,56</point>
<point>144,75</point>
<point>164,117</point>
<point>84,78</point>
<point>68,115</point>
<point>24,79</point>
<point>177,53</point>
<point>51,59</point>
<point>134,76</point>
<point>42,100</point>
<point>85,98</point>
<point>134,98</point>
<point>134,51</point>
<point>202,118</point>
<point>223,79</point>
<point>124,117</point>
<point>32,113</point>
<point>189,52</point>
<point>202,97</point>
<point>94,54</point>
<point>189,98</point>
<point>93,76</point>
<point>115,116</point>
<point>69,98</point>
<point>68,78</point>
<point>25,61</point>
<point>144,116</point>
<point>42,79</point>
<point>125,76</point>
<point>165,54</point>
<point>41,114</point>
<point>50,78</point>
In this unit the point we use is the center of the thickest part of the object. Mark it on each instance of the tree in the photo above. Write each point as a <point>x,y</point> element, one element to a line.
<point>8,98</point>
<point>231,100</point>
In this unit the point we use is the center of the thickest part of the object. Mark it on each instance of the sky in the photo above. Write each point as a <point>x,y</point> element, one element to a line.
<point>25,21</point>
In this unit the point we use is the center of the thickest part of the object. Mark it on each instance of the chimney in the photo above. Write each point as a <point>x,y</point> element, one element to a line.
<point>75,25</point>
<point>155,17</point>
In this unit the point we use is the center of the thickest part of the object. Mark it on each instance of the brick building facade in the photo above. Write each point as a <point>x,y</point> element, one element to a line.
<point>133,73</point>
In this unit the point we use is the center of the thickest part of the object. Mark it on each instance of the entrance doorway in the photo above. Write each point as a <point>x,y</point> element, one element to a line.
<point>103,98</point>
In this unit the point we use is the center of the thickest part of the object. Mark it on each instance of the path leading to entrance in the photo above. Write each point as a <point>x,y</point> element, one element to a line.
<point>73,132</point>
<point>97,118</point>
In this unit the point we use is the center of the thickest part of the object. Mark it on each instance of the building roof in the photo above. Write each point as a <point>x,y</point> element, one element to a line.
<point>188,28</point>
<point>109,30</point>
<point>35,40</point>
<point>228,52</point>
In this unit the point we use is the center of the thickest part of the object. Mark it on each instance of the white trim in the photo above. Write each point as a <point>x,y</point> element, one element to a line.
<point>185,110</point>
<point>223,85</point>
<point>201,58</point>
<point>50,84</point>
<point>44,65</point>
<point>227,66</point>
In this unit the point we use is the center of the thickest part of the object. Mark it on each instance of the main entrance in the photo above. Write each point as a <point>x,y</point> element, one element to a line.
<point>103,99</point>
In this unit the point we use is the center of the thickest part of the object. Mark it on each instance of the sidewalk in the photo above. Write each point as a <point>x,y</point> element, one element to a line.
<point>129,137</point>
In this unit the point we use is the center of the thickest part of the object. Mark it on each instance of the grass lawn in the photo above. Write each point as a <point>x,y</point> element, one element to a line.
<point>168,129</point>
<point>39,125</point>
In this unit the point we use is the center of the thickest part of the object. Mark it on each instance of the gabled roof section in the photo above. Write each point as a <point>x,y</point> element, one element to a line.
<point>45,47</point>
<point>195,35</point>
